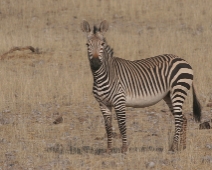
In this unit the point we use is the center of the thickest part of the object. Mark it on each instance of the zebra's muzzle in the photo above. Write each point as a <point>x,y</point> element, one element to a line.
<point>95,63</point>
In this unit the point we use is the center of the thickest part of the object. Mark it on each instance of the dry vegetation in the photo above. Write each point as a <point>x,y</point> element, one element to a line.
<point>37,88</point>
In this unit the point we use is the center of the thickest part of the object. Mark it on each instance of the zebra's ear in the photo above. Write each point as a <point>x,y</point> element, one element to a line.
<point>103,27</point>
<point>85,26</point>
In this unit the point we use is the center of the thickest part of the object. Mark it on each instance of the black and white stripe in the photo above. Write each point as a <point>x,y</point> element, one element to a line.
<point>121,83</point>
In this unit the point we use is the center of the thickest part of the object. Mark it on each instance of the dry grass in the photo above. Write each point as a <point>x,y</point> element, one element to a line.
<point>37,88</point>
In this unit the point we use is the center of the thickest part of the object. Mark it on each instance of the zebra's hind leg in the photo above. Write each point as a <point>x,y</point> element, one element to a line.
<point>183,136</point>
<point>106,111</point>
<point>179,140</point>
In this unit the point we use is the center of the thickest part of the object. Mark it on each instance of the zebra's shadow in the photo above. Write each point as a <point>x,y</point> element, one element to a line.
<point>59,148</point>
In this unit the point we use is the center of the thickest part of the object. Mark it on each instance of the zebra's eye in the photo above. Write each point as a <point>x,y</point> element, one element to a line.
<point>103,44</point>
<point>87,44</point>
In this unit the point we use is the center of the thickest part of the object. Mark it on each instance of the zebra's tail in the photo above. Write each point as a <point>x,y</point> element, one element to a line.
<point>196,107</point>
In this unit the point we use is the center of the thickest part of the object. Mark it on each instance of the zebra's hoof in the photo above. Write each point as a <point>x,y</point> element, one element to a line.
<point>124,149</point>
<point>174,148</point>
<point>108,151</point>
<point>184,147</point>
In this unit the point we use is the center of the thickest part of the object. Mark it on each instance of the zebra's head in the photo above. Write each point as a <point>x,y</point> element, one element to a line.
<point>95,39</point>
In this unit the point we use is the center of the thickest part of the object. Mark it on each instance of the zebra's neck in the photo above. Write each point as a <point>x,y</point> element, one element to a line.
<point>108,52</point>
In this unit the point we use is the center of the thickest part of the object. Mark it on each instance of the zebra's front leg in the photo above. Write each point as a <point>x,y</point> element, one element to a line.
<point>121,117</point>
<point>106,111</point>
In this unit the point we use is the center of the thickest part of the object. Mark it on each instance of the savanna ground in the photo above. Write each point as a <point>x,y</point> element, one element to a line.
<point>56,80</point>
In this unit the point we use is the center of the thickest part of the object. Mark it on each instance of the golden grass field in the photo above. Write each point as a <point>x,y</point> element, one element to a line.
<point>36,88</point>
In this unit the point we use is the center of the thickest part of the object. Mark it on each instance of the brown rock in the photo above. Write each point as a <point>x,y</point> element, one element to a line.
<point>209,104</point>
<point>204,125</point>
<point>58,120</point>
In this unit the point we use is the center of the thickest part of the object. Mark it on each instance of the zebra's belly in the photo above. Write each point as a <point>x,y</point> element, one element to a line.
<point>144,101</point>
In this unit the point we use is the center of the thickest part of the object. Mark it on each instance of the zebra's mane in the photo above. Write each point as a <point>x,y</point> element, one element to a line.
<point>109,50</point>
<point>95,29</point>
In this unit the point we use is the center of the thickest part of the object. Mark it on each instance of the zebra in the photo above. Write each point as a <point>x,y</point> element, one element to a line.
<point>120,83</point>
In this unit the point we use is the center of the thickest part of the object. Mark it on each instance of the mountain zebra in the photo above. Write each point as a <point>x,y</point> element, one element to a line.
<point>121,83</point>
